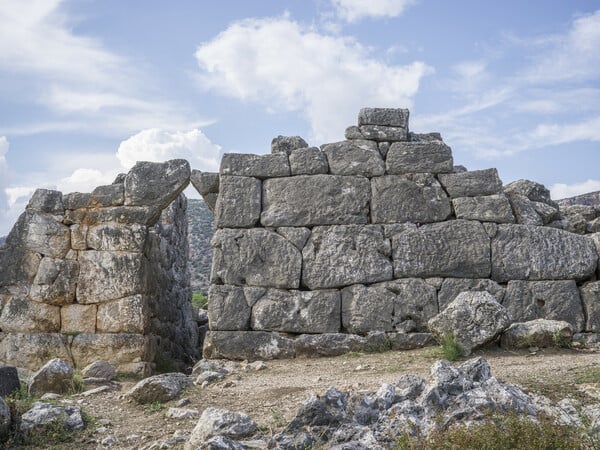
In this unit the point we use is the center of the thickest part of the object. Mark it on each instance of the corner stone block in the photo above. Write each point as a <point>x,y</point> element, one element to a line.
<point>255,257</point>
<point>391,117</point>
<point>109,195</point>
<point>590,295</point>
<point>553,300</point>
<point>525,252</point>
<point>458,248</point>
<point>32,350</point>
<point>105,276</point>
<point>239,202</point>
<point>115,348</point>
<point>418,199</point>
<point>354,158</point>
<point>126,315</point>
<point>308,161</point>
<point>297,311</point>
<point>287,144</point>
<point>55,281</point>
<point>18,266</point>
<point>489,208</point>
<point>418,157</point>
<point>205,182</point>
<point>249,345</point>
<point>257,166</point>
<point>228,309</point>
<point>75,319</point>
<point>342,255</point>
<point>471,184</point>
<point>451,287</point>
<point>117,237</point>
<point>46,201</point>
<point>156,184</point>
<point>20,315</point>
<point>334,199</point>
<point>41,233</point>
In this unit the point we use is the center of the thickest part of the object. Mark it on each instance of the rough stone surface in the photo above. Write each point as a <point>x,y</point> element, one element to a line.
<point>218,422</point>
<point>5,420</point>
<point>296,235</point>
<point>308,161</point>
<point>75,319</point>
<point>46,201</point>
<point>418,198</point>
<point>522,252</point>
<point>239,202</point>
<point>251,345</point>
<point>376,133</point>
<point>287,144</point>
<point>255,257</point>
<point>159,388</point>
<point>43,414</point>
<point>343,255</point>
<point>537,333</point>
<point>99,369</point>
<point>475,319</point>
<point>473,183</point>
<point>126,315</point>
<point>590,296</point>
<point>524,210</point>
<point>9,381</point>
<point>55,376</point>
<point>41,233</point>
<point>554,300</point>
<point>354,158</point>
<point>55,281</point>
<point>417,157</point>
<point>489,208</point>
<point>22,315</point>
<point>451,287</point>
<point>535,192</point>
<point>228,308</point>
<point>391,117</point>
<point>258,166</point>
<point>32,350</point>
<point>205,182</point>
<point>117,237</point>
<point>333,200</point>
<point>458,248</point>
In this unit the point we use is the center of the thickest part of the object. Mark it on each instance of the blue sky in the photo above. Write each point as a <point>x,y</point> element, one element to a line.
<point>88,87</point>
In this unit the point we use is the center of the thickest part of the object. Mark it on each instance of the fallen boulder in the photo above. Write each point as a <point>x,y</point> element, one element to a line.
<point>537,333</point>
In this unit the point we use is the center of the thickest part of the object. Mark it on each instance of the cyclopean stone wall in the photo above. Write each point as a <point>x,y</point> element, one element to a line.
<point>357,244</point>
<point>101,276</point>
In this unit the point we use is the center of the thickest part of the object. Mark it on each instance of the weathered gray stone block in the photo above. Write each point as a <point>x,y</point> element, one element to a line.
<point>55,281</point>
<point>228,309</point>
<point>354,158</point>
<point>147,215</point>
<point>425,137</point>
<point>156,184</point>
<point>590,295</point>
<point>392,117</point>
<point>451,287</point>
<point>489,208</point>
<point>41,233</point>
<point>418,157</point>
<point>376,133</point>
<point>537,333</point>
<point>535,192</point>
<point>418,198</point>
<point>257,166</point>
<point>524,252</point>
<point>410,341</point>
<point>341,255</point>
<point>553,300</point>
<point>123,275</point>
<point>239,202</point>
<point>117,237</point>
<point>297,311</point>
<point>117,348</point>
<point>287,144</point>
<point>46,201</point>
<point>55,376</point>
<point>9,381</point>
<point>255,257</point>
<point>109,195</point>
<point>205,182</point>
<point>296,235</point>
<point>471,184</point>
<point>328,344</point>
<point>334,200</point>
<point>524,210</point>
<point>249,345</point>
<point>459,248</point>
<point>18,266</point>
<point>125,315</point>
<point>308,161</point>
<point>75,319</point>
<point>32,350</point>
<point>20,315</point>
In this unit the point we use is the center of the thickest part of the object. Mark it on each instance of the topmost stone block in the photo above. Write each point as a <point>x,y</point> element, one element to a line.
<point>257,166</point>
<point>390,117</point>
<point>287,144</point>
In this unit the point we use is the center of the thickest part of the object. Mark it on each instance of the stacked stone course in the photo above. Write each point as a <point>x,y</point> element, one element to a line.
<point>357,244</point>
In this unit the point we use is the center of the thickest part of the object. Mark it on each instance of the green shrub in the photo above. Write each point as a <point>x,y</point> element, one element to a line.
<point>451,348</point>
<point>199,300</point>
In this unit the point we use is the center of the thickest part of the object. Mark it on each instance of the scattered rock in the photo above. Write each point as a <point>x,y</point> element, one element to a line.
<point>537,333</point>
<point>182,413</point>
<point>159,388</point>
<point>42,414</point>
<point>9,380</point>
<point>99,369</point>
<point>219,422</point>
<point>55,376</point>
<point>5,419</point>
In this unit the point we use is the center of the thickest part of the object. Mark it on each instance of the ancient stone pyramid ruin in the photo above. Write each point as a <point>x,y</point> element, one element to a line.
<point>318,251</point>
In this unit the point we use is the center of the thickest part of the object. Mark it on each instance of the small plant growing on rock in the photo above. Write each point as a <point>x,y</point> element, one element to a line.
<point>560,340</point>
<point>451,348</point>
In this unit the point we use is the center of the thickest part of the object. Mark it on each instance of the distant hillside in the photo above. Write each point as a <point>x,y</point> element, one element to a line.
<point>200,231</point>
<point>589,199</point>
<point>2,239</point>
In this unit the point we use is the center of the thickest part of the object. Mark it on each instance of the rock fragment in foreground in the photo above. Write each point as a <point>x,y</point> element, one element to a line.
<point>218,422</point>
<point>475,318</point>
<point>159,388</point>
<point>43,414</point>
<point>55,376</point>
<point>537,333</point>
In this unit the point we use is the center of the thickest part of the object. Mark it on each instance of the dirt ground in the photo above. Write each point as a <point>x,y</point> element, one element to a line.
<point>271,396</point>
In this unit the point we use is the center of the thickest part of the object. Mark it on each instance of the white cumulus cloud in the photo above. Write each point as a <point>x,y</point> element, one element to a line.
<point>560,190</point>
<point>160,145</point>
<point>285,66</point>
<point>355,10</point>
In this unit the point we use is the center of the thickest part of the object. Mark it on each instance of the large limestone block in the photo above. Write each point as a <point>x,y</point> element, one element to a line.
<point>474,318</point>
<point>451,287</point>
<point>315,200</point>
<point>458,248</point>
<point>116,348</point>
<point>595,238</point>
<point>46,201</point>
<point>18,266</point>
<point>147,215</point>
<point>308,161</point>
<point>105,276</point>
<point>22,315</point>
<point>525,252</point>
<point>391,117</point>
<point>590,295</point>
<point>55,376</point>
<point>239,202</point>
<point>287,144</point>
<point>379,133</point>
<point>109,195</point>
<point>156,184</point>
<point>126,315</point>
<point>553,300</point>
<point>524,210</point>
<point>354,158</point>
<point>537,333</point>
<point>488,208</point>
<point>296,235</point>
<point>117,237</point>
<point>205,182</point>
<point>41,233</point>
<point>255,257</point>
<point>228,309</point>
<point>258,166</point>
<point>75,319</point>
<point>249,345</point>
<point>55,281</point>
<point>342,255</point>
<point>418,198</point>
<point>417,157</point>
<point>471,184</point>
<point>297,311</point>
<point>32,350</point>
<point>535,192</point>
